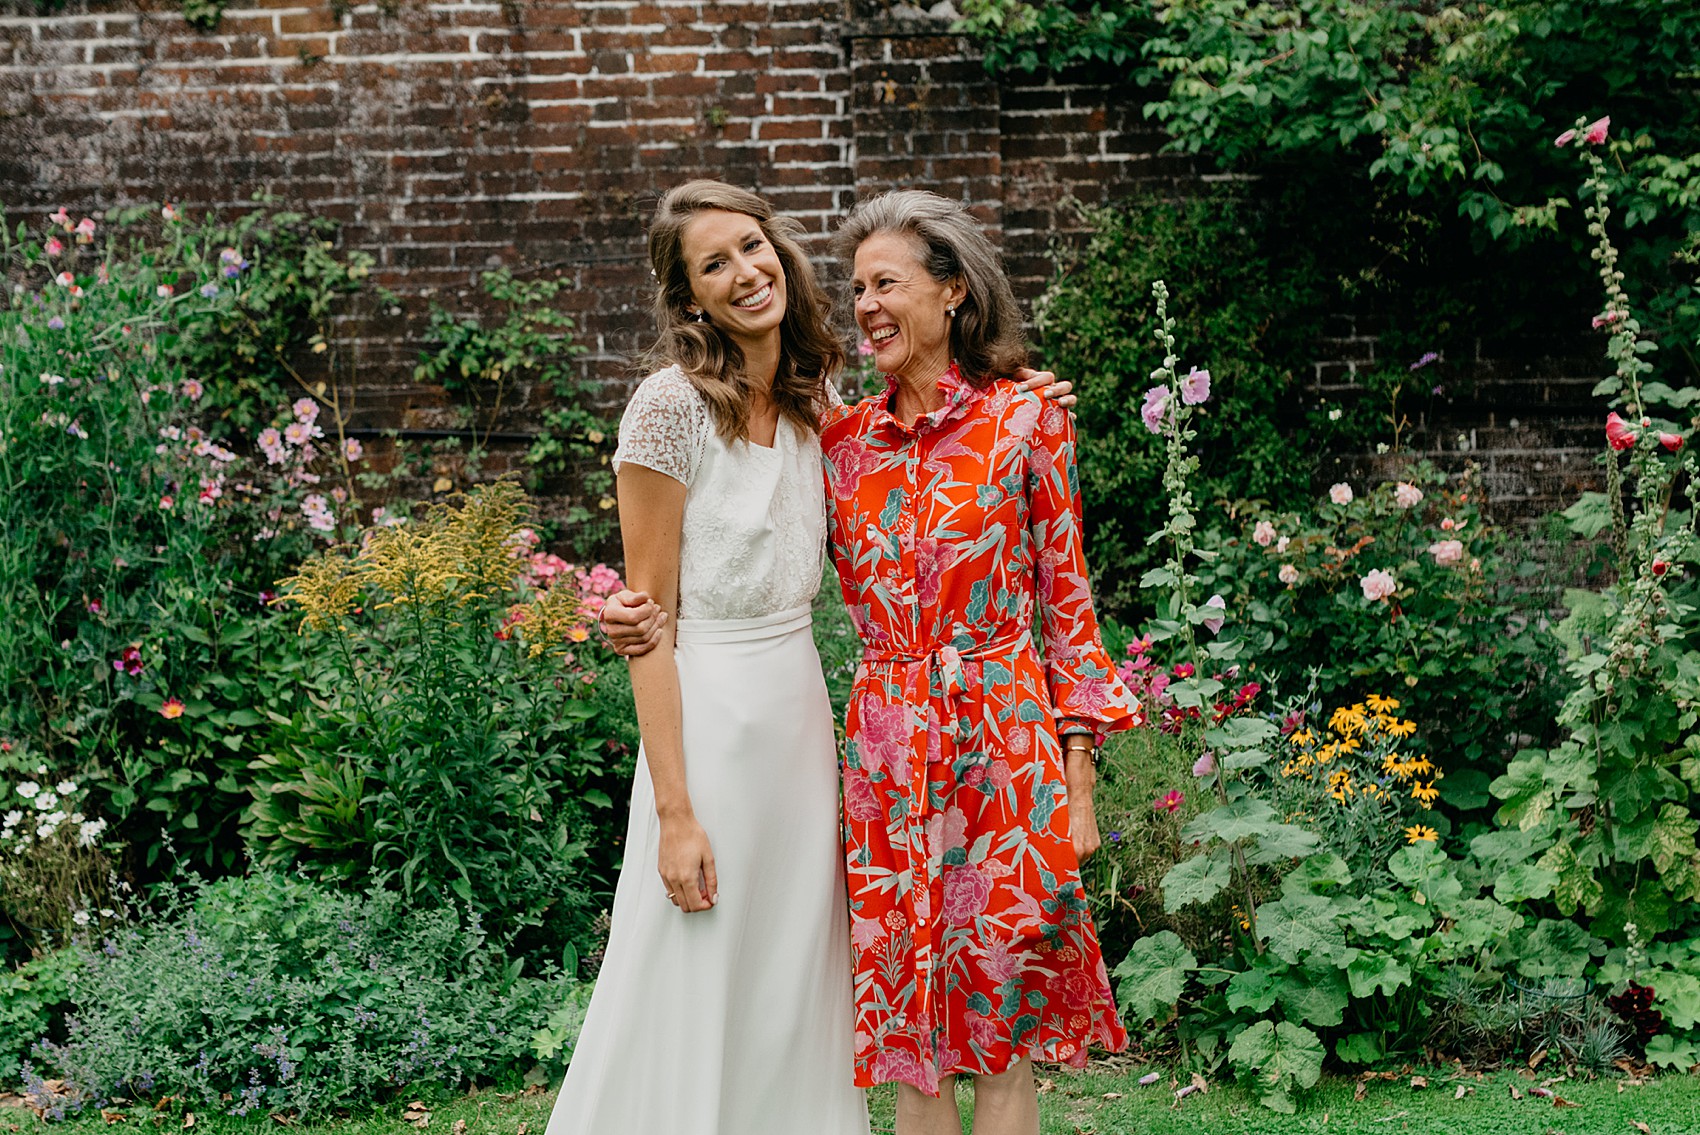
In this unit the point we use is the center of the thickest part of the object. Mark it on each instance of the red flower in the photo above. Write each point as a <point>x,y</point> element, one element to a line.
<point>1184,670</point>
<point>1618,434</point>
<point>1170,803</point>
<point>1596,131</point>
<point>1672,442</point>
<point>1660,567</point>
<point>172,708</point>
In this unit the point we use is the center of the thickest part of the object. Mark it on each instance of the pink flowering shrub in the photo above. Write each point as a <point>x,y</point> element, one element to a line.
<point>1400,587</point>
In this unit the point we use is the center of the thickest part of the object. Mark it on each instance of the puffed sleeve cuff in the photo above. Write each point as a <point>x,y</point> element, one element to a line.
<point>1090,697</point>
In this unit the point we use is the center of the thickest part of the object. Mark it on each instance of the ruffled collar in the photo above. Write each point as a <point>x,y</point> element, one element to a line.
<point>958,395</point>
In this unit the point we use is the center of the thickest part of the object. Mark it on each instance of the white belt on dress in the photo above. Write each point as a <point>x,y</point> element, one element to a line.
<point>743,630</point>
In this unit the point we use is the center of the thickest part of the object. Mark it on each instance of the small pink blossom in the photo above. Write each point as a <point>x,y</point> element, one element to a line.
<point>1407,496</point>
<point>352,450</point>
<point>306,410</point>
<point>61,218</point>
<point>1288,574</point>
<point>1215,603</point>
<point>65,279</point>
<point>1264,534</point>
<point>1618,434</point>
<point>1565,138</point>
<point>1281,545</point>
<point>1156,406</point>
<point>865,348</point>
<point>85,229</point>
<point>1447,552</point>
<point>1340,493</point>
<point>1170,803</point>
<point>167,503</point>
<point>1205,765</point>
<point>1606,319</point>
<point>172,708</point>
<point>164,291</point>
<point>1195,387</point>
<point>54,246</point>
<point>192,389</point>
<point>1378,585</point>
<point>1596,131</point>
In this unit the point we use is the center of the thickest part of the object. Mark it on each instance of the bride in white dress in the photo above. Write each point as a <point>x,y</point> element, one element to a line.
<point>724,1004</point>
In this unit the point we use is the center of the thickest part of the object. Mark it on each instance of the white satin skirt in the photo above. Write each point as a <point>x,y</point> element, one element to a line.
<point>736,1020</point>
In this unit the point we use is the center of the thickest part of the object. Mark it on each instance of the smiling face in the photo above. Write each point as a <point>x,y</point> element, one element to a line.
<point>902,309</point>
<point>735,274</point>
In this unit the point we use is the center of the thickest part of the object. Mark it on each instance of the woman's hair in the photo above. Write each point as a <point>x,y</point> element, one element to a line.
<point>986,338</point>
<point>810,356</point>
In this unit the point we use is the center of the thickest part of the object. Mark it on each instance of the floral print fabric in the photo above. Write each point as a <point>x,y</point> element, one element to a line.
<point>955,541</point>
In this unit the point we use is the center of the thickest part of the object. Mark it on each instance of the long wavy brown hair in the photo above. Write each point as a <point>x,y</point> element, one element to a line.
<point>810,354</point>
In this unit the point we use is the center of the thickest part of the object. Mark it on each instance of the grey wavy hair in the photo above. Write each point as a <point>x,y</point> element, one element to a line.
<point>986,336</point>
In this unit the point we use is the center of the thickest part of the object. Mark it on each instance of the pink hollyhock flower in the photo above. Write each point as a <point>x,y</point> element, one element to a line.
<point>1447,552</point>
<point>172,709</point>
<point>54,247</point>
<point>1565,138</point>
<point>1264,534</point>
<point>352,450</point>
<point>1672,442</point>
<point>1618,434</point>
<point>1156,406</point>
<point>1596,131</point>
<point>1217,603</point>
<point>1170,803</point>
<point>1204,766</point>
<point>1379,584</point>
<point>1407,496</point>
<point>1606,319</point>
<point>1340,493</point>
<point>1288,574</point>
<point>1195,387</point>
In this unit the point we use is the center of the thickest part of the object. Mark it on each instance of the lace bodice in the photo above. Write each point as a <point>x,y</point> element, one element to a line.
<point>755,518</point>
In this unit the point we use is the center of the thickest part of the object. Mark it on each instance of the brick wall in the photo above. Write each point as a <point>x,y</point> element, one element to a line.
<point>449,137</point>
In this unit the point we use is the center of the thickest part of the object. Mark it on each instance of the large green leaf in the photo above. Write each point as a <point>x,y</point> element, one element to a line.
<point>1239,819</point>
<point>1278,1058</point>
<point>1314,995</point>
<point>1301,926</point>
<point>1198,879</point>
<point>1673,836</point>
<point>1373,971</point>
<point>1576,888</point>
<point>1152,977</point>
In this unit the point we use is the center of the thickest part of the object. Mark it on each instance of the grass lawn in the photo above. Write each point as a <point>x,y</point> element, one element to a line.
<point>1094,1103</point>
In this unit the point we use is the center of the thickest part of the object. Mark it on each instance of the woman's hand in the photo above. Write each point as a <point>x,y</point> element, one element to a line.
<point>1046,383</point>
<point>686,864</point>
<point>1082,778</point>
<point>632,622</point>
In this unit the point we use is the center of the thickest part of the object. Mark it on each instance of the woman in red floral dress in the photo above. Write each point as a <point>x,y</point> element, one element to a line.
<point>968,767</point>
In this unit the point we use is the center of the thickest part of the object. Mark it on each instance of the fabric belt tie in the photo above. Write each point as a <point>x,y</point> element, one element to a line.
<point>944,662</point>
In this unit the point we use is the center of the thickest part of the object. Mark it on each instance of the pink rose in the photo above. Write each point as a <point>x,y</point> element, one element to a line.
<point>966,891</point>
<point>1446,552</point>
<point>1288,574</point>
<point>1407,496</point>
<point>1378,585</point>
<point>1264,534</point>
<point>1340,493</point>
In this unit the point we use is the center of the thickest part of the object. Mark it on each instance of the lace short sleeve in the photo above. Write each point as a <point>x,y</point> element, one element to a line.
<point>665,426</point>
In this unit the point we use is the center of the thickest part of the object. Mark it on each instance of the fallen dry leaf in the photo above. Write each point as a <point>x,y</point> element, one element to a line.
<point>1560,1101</point>
<point>459,1127</point>
<point>416,1113</point>
<point>1515,1094</point>
<point>1360,1090</point>
<point>1046,1086</point>
<point>113,1116</point>
<point>1641,1127</point>
<point>188,1119</point>
<point>1536,1059</point>
<point>1112,1095</point>
<point>1418,1083</point>
<point>522,1129</point>
<point>283,1120</point>
<point>1461,1091</point>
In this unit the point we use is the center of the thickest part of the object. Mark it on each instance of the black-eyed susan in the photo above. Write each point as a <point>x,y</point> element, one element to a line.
<point>1347,720</point>
<point>1380,704</point>
<point>1418,833</point>
<point>1401,728</point>
<point>1340,785</point>
<point>1425,793</point>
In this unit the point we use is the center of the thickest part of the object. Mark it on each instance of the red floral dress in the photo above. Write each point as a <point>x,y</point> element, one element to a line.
<point>972,939</point>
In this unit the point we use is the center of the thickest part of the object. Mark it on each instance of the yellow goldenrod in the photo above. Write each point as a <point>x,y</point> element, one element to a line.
<point>325,588</point>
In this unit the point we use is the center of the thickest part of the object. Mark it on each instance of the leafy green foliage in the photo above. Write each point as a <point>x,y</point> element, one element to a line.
<point>1251,321</point>
<point>32,998</point>
<point>266,994</point>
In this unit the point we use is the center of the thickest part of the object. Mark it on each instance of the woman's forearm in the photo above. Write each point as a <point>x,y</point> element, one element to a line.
<point>655,690</point>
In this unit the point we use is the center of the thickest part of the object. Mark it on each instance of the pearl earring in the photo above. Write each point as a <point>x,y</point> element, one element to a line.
<point>950,311</point>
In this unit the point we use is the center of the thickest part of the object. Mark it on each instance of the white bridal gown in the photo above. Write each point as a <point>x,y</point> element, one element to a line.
<point>736,1020</point>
